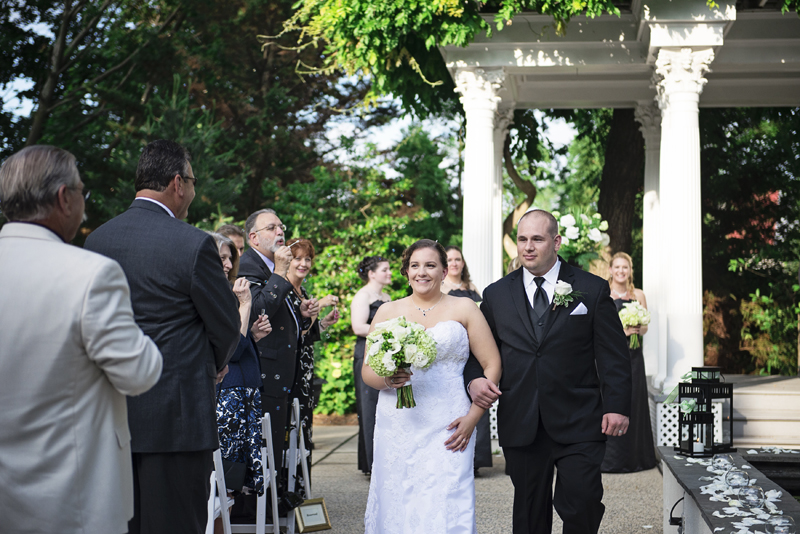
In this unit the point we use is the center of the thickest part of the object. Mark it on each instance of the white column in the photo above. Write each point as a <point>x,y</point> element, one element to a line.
<point>505,116</point>
<point>479,97</point>
<point>655,361</point>
<point>679,80</point>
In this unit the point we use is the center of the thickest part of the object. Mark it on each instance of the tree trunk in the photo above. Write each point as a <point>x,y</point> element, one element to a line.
<point>623,178</point>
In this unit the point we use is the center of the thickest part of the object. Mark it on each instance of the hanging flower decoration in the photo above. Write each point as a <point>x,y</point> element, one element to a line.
<point>583,236</point>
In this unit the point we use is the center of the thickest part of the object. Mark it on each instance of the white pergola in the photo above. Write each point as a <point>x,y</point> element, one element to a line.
<point>665,59</point>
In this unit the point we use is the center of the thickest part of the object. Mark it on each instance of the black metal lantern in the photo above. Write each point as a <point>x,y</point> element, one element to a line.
<point>696,420</point>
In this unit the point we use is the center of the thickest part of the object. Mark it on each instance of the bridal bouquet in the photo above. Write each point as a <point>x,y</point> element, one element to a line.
<point>400,344</point>
<point>634,314</point>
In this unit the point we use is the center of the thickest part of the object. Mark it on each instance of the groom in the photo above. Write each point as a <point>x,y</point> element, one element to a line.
<point>566,381</point>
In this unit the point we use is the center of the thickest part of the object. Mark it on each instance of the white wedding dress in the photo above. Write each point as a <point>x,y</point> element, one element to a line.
<point>417,485</point>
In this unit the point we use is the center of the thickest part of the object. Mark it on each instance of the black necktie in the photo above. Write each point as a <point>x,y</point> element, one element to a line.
<point>540,301</point>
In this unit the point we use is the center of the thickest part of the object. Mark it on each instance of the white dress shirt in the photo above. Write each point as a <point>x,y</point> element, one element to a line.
<point>154,201</point>
<point>549,284</point>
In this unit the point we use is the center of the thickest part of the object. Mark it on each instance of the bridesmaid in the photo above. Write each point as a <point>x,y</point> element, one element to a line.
<point>458,284</point>
<point>376,274</point>
<point>634,451</point>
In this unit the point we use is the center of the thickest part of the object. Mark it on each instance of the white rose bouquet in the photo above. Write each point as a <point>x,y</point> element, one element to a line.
<point>583,236</point>
<point>634,314</point>
<point>400,344</point>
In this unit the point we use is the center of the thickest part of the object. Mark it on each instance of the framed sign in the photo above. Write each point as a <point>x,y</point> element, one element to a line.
<point>312,516</point>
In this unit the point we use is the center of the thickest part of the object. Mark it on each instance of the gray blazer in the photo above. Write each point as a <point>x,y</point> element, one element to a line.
<point>183,301</point>
<point>69,353</point>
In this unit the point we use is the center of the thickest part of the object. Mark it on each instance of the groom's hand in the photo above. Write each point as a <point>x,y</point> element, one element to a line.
<point>614,424</point>
<point>483,392</point>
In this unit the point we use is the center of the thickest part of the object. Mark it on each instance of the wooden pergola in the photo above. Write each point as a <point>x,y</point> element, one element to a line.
<point>665,59</point>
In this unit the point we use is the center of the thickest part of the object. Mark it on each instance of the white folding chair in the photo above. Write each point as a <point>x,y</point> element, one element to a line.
<point>270,481</point>
<point>218,502</point>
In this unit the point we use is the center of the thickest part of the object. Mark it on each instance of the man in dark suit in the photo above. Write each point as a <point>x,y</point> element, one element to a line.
<point>566,381</point>
<point>266,264</point>
<point>182,300</point>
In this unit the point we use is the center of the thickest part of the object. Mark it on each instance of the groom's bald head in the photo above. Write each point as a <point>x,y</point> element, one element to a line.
<point>552,226</point>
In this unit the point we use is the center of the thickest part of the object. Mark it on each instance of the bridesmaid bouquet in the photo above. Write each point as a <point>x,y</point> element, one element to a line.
<point>634,314</point>
<point>400,344</point>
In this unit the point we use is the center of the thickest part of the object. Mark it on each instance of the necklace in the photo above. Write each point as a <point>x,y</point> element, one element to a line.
<point>424,312</point>
<point>620,295</point>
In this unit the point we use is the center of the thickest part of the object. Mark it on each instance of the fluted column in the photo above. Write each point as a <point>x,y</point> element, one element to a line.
<point>649,117</point>
<point>478,89</point>
<point>505,117</point>
<point>679,78</point>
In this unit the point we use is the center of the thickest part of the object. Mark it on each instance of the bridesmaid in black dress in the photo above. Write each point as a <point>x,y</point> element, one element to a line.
<point>633,451</point>
<point>376,273</point>
<point>458,284</point>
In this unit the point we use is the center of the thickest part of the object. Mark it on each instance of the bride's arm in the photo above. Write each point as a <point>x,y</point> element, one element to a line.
<point>483,347</point>
<point>369,377</point>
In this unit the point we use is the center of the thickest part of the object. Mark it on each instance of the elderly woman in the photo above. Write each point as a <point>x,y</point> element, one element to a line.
<point>303,259</point>
<point>238,395</point>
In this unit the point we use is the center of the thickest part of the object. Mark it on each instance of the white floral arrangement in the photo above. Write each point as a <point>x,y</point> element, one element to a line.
<point>400,344</point>
<point>583,236</point>
<point>634,314</point>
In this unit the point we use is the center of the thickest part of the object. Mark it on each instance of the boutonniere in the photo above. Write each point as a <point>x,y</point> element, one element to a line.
<point>564,294</point>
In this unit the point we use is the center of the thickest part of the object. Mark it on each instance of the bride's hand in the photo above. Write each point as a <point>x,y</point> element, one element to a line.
<point>399,379</point>
<point>459,439</point>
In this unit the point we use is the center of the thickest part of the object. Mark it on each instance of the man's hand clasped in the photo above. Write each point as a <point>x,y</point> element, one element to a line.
<point>484,392</point>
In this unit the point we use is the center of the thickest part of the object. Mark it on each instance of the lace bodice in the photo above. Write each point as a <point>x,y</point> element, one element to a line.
<point>452,351</point>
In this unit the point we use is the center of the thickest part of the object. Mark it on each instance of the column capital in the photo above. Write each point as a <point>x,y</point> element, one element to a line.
<point>648,115</point>
<point>681,70</point>
<point>504,117</point>
<point>480,88</point>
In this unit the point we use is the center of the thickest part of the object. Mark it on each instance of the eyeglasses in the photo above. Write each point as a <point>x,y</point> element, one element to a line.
<point>272,227</point>
<point>85,193</point>
<point>192,178</point>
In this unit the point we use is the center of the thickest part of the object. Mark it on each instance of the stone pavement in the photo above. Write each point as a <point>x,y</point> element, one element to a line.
<point>633,501</point>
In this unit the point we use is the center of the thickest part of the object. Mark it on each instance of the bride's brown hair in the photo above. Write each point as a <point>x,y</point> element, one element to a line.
<point>422,243</point>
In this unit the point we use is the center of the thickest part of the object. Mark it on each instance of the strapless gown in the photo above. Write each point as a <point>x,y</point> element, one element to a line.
<point>417,484</point>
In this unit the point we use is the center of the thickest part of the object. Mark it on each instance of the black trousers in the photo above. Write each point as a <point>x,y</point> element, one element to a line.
<point>170,492</point>
<point>579,485</point>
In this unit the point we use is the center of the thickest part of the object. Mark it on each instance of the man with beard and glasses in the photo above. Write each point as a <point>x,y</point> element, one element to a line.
<point>266,265</point>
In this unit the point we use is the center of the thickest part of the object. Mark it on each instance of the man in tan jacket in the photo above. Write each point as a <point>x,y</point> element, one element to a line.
<point>70,352</point>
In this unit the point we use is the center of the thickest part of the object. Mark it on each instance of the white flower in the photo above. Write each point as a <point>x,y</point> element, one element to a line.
<point>605,239</point>
<point>564,240</point>
<point>375,348</point>
<point>563,288</point>
<point>572,232</point>
<point>603,226</point>
<point>388,362</point>
<point>567,221</point>
<point>410,351</point>
<point>595,235</point>
<point>585,219</point>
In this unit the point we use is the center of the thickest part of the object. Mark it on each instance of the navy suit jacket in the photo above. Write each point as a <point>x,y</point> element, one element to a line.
<point>182,300</point>
<point>577,372</point>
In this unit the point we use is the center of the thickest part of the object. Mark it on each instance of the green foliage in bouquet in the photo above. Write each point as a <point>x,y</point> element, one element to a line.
<point>583,236</point>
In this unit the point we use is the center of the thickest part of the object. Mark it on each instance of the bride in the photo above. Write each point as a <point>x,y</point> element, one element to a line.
<point>422,474</point>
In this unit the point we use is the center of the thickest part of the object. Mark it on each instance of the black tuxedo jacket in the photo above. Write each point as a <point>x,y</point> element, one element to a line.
<point>578,370</point>
<point>278,350</point>
<point>182,300</point>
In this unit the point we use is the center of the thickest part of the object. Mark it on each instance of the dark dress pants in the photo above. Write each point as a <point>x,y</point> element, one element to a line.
<point>170,492</point>
<point>579,485</point>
